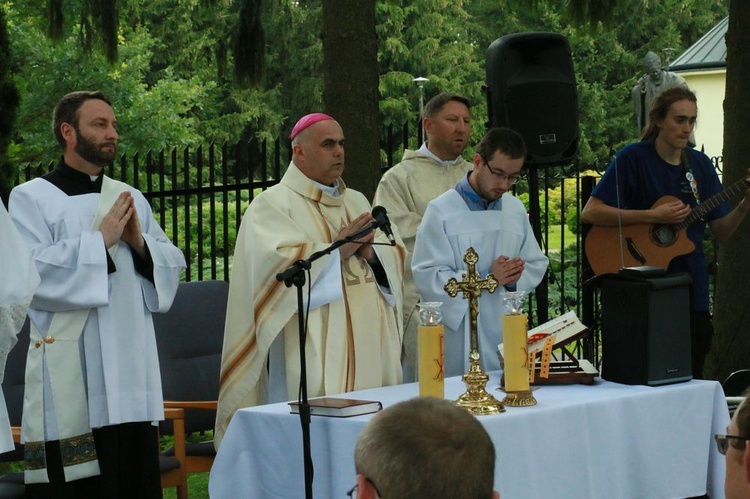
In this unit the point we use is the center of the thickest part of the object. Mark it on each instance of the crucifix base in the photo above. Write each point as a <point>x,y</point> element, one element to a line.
<point>520,398</point>
<point>477,400</point>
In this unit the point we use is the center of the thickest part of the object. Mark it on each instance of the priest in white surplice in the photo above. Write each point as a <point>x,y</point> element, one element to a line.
<point>18,280</point>
<point>421,176</point>
<point>354,322</point>
<point>480,213</point>
<point>93,388</point>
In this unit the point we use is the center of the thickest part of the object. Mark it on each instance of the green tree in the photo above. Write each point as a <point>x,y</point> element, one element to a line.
<point>731,346</point>
<point>158,104</point>
<point>430,39</point>
<point>9,100</point>
<point>606,52</point>
<point>350,85</point>
<point>97,26</point>
<point>150,117</point>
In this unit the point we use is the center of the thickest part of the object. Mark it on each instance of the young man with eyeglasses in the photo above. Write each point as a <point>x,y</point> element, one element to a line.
<point>734,447</point>
<point>479,212</point>
<point>424,447</point>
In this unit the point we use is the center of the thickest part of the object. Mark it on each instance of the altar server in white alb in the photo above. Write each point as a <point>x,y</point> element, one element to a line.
<point>18,280</point>
<point>93,388</point>
<point>479,212</point>
<point>354,322</point>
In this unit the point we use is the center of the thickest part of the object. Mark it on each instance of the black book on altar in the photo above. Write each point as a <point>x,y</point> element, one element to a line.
<point>339,407</point>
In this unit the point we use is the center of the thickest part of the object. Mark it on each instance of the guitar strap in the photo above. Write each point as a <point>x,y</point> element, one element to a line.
<point>689,176</point>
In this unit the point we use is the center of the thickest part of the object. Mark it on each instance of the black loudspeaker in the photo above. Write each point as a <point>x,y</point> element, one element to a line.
<point>531,88</point>
<point>646,324</point>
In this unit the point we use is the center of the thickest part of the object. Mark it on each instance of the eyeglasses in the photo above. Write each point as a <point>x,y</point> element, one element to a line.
<point>511,179</point>
<point>353,491</point>
<point>722,442</point>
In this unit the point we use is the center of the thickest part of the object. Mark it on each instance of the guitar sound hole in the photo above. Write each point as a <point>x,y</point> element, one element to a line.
<point>663,235</point>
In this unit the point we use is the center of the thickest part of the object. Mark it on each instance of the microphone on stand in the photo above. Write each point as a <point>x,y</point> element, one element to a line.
<point>381,218</point>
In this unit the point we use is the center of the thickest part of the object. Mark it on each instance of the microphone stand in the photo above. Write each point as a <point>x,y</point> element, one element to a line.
<point>295,276</point>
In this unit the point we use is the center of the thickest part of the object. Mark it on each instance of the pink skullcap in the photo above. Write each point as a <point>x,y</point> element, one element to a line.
<point>306,122</point>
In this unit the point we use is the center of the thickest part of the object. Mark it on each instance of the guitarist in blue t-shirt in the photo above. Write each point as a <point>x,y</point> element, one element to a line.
<point>653,203</point>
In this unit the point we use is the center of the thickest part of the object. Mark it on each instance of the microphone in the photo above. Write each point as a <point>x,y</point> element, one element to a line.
<point>381,218</point>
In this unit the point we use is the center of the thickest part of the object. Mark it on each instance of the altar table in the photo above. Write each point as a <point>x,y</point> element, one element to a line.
<point>606,440</point>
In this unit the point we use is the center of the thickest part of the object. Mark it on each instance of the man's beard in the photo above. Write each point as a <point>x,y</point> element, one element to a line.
<point>93,152</point>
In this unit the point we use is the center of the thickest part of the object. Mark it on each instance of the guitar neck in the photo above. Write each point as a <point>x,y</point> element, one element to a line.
<point>709,204</point>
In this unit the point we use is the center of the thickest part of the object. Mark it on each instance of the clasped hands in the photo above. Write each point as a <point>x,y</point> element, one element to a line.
<point>507,270</point>
<point>121,224</point>
<point>363,247</point>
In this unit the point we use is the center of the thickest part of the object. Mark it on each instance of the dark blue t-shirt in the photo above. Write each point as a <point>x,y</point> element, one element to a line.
<point>643,177</point>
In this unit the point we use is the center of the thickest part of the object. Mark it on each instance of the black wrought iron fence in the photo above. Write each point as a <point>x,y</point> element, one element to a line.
<point>198,196</point>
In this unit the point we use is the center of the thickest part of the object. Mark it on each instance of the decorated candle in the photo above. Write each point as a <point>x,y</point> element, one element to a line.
<point>515,344</point>
<point>430,347</point>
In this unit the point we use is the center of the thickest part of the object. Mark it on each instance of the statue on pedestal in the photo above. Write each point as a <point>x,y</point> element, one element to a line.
<point>655,81</point>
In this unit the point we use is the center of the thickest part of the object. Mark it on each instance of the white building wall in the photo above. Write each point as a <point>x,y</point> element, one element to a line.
<point>708,86</point>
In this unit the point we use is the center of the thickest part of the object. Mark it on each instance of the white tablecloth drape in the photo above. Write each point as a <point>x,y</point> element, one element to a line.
<point>603,441</point>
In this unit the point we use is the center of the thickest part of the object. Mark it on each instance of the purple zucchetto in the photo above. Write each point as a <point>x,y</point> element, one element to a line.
<point>306,122</point>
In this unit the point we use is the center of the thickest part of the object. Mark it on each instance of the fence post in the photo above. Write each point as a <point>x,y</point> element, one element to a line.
<point>588,291</point>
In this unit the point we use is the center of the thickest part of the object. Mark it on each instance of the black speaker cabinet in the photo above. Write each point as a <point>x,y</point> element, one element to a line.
<point>646,324</point>
<point>531,88</point>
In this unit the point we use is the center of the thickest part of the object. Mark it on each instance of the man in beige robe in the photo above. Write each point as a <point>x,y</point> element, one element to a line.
<point>407,188</point>
<point>354,321</point>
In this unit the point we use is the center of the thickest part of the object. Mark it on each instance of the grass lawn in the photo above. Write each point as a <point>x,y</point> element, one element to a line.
<point>555,236</point>
<point>197,482</point>
<point>197,487</point>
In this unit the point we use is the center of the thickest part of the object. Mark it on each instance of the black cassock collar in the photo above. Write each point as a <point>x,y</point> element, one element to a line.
<point>73,182</point>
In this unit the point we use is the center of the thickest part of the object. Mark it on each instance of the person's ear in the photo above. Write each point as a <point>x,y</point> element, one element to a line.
<point>365,488</point>
<point>746,461</point>
<point>495,494</point>
<point>427,125</point>
<point>68,133</point>
<point>478,161</point>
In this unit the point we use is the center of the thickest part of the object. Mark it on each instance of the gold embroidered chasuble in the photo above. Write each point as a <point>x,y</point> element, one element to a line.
<point>353,342</point>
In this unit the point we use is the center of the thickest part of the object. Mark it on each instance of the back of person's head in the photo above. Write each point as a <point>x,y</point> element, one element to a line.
<point>737,480</point>
<point>436,104</point>
<point>505,140</point>
<point>742,417</point>
<point>66,110</point>
<point>426,448</point>
<point>660,107</point>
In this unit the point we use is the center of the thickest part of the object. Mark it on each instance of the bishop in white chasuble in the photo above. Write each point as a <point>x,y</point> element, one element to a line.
<point>354,322</point>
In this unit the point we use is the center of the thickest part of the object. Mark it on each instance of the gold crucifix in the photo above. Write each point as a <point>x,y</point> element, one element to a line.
<point>476,399</point>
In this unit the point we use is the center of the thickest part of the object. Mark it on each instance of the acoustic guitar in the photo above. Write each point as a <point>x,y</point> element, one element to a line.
<point>611,248</point>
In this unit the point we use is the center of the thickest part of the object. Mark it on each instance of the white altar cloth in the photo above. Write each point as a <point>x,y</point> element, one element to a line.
<point>602,441</point>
